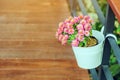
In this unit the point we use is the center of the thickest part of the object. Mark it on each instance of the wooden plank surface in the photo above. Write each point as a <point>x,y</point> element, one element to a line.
<point>41,70</point>
<point>28,47</point>
<point>115,5</point>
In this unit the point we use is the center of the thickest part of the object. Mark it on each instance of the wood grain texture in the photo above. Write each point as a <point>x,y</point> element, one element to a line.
<point>115,7</point>
<point>28,47</point>
<point>41,70</point>
<point>28,27</point>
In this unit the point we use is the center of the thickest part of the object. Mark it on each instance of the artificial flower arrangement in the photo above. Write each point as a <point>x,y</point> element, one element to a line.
<point>76,31</point>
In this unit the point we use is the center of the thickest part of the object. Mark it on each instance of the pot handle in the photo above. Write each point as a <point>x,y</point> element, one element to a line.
<point>108,35</point>
<point>102,29</point>
<point>111,35</point>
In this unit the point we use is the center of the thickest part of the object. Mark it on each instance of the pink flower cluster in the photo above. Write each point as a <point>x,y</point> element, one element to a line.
<point>74,30</point>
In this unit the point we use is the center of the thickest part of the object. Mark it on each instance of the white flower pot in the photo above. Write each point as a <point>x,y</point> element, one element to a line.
<point>90,57</point>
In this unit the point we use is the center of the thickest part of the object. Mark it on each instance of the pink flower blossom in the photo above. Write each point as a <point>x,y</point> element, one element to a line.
<point>81,32</point>
<point>60,31</point>
<point>80,38</point>
<point>83,22</point>
<point>76,19</point>
<point>87,27</point>
<point>57,35</point>
<point>71,31</point>
<point>75,43</point>
<point>76,28</point>
<point>68,25</point>
<point>64,39</point>
<point>60,37</point>
<point>70,18</point>
<point>80,27</point>
<point>81,16</point>
<point>72,21</point>
<point>87,33</point>
<point>86,17</point>
<point>60,24</point>
<point>65,30</point>
<point>90,21</point>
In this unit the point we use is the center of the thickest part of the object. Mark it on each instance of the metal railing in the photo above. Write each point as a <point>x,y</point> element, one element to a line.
<point>110,43</point>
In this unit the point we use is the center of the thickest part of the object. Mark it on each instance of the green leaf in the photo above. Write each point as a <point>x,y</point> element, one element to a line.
<point>69,41</point>
<point>90,32</point>
<point>115,69</point>
<point>74,26</point>
<point>81,44</point>
<point>113,60</point>
<point>85,43</point>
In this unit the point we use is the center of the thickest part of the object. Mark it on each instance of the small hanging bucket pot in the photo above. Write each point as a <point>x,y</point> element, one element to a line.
<point>90,57</point>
